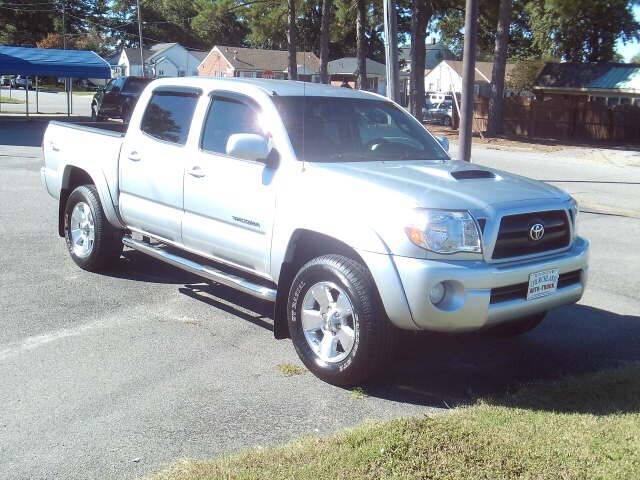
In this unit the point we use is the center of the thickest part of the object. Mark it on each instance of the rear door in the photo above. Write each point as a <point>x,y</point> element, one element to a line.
<point>152,163</point>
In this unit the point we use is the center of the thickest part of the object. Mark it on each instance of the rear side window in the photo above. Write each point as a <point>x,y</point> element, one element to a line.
<point>225,118</point>
<point>135,85</point>
<point>168,116</point>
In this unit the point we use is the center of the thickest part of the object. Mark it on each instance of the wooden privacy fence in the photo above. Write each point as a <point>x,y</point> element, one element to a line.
<point>563,119</point>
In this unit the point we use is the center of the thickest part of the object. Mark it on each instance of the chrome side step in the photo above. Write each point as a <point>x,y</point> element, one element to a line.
<point>210,273</point>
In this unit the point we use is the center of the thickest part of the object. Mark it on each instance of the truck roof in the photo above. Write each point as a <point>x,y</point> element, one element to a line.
<point>270,87</point>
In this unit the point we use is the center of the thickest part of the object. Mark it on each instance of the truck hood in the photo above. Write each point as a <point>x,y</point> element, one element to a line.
<point>438,184</point>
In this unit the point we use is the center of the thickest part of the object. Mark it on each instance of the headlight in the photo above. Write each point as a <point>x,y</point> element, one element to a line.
<point>443,231</point>
<point>573,208</point>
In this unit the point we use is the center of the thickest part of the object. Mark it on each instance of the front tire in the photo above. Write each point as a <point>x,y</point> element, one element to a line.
<point>336,321</point>
<point>93,243</point>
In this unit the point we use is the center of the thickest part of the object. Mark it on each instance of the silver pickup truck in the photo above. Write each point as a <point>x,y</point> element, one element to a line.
<point>336,205</point>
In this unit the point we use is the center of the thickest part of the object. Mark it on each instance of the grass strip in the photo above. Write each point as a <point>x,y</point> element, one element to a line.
<point>577,428</point>
<point>10,100</point>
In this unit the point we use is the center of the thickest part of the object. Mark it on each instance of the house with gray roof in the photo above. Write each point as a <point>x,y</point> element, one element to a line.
<point>160,60</point>
<point>435,52</point>
<point>607,83</point>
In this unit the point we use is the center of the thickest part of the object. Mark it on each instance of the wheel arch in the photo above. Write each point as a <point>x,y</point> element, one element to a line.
<point>304,245</point>
<point>74,177</point>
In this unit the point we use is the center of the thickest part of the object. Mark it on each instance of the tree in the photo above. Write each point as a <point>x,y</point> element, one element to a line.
<point>361,43</point>
<point>450,21</point>
<point>422,12</point>
<point>219,23</point>
<point>325,32</point>
<point>524,74</point>
<point>292,68</point>
<point>496,100</point>
<point>579,31</point>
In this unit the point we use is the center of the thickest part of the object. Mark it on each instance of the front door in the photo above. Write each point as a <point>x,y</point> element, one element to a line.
<point>152,162</point>
<point>229,202</point>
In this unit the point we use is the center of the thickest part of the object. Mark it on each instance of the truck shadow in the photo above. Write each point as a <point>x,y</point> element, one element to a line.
<point>446,371</point>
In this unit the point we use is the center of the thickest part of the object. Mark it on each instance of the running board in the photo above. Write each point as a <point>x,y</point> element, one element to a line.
<point>210,273</point>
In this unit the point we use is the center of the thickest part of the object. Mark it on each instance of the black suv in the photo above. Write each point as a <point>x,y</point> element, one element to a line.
<point>117,98</point>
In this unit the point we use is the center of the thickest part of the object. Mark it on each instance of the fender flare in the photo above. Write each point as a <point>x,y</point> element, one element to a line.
<point>100,182</point>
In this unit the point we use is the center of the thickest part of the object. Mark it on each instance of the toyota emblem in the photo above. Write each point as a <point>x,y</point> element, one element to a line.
<point>536,232</point>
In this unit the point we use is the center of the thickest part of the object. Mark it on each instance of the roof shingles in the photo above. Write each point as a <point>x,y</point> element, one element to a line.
<point>254,59</point>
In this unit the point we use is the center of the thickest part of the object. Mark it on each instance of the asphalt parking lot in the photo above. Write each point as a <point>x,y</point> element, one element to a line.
<point>114,376</point>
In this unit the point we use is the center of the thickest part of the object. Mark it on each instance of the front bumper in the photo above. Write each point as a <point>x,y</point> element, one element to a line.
<point>469,306</point>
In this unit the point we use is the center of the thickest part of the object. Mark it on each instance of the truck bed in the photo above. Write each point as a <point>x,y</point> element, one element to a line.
<point>92,147</point>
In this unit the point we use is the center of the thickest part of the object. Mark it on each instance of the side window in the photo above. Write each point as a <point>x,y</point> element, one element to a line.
<point>225,118</point>
<point>116,87</point>
<point>168,116</point>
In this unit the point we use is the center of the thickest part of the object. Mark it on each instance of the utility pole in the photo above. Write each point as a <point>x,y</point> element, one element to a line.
<point>468,78</point>
<point>64,24</point>
<point>140,37</point>
<point>390,49</point>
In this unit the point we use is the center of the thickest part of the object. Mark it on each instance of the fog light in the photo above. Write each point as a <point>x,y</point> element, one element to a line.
<point>437,293</point>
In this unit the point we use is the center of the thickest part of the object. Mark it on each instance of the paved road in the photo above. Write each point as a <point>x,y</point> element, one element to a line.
<point>113,376</point>
<point>606,181</point>
<point>48,102</point>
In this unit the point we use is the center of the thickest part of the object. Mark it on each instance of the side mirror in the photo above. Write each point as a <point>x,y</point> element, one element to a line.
<point>444,142</point>
<point>248,146</point>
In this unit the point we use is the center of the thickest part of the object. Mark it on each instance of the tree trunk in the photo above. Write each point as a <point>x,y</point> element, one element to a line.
<point>361,44</point>
<point>325,30</point>
<point>292,40</point>
<point>495,122</point>
<point>422,12</point>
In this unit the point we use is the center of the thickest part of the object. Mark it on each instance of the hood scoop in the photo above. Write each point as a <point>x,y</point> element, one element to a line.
<point>472,174</point>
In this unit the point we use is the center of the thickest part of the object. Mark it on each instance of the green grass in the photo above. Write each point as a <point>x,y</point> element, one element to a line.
<point>577,428</point>
<point>9,100</point>
<point>358,394</point>
<point>290,370</point>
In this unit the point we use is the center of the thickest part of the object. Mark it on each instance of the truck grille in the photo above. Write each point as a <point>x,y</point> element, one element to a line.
<point>514,239</point>
<point>519,291</point>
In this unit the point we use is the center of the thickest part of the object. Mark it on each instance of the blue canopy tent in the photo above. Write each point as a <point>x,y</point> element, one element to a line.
<point>34,62</point>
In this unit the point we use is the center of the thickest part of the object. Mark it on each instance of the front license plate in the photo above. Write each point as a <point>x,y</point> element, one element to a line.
<point>542,284</point>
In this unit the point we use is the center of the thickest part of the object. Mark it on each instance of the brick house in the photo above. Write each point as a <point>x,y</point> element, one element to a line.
<point>224,61</point>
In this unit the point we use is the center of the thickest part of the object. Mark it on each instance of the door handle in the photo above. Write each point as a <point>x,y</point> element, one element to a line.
<point>134,156</point>
<point>196,172</point>
<point>54,147</point>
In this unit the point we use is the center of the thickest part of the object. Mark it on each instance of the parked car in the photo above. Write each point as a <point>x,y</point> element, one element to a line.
<point>118,98</point>
<point>22,82</point>
<point>434,98</point>
<point>5,80</point>
<point>441,113</point>
<point>336,205</point>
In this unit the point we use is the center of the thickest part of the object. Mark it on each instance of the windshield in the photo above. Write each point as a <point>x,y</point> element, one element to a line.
<point>330,129</point>
<point>135,85</point>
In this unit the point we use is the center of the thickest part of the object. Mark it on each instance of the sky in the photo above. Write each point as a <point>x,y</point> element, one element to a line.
<point>631,48</point>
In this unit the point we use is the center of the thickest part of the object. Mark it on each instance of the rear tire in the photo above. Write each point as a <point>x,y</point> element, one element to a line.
<point>337,322</point>
<point>93,243</point>
<point>517,327</point>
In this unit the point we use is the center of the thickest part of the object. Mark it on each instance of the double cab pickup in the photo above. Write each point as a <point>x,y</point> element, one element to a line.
<point>335,205</point>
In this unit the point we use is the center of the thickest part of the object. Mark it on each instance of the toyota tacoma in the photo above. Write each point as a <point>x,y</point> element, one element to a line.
<point>335,205</point>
